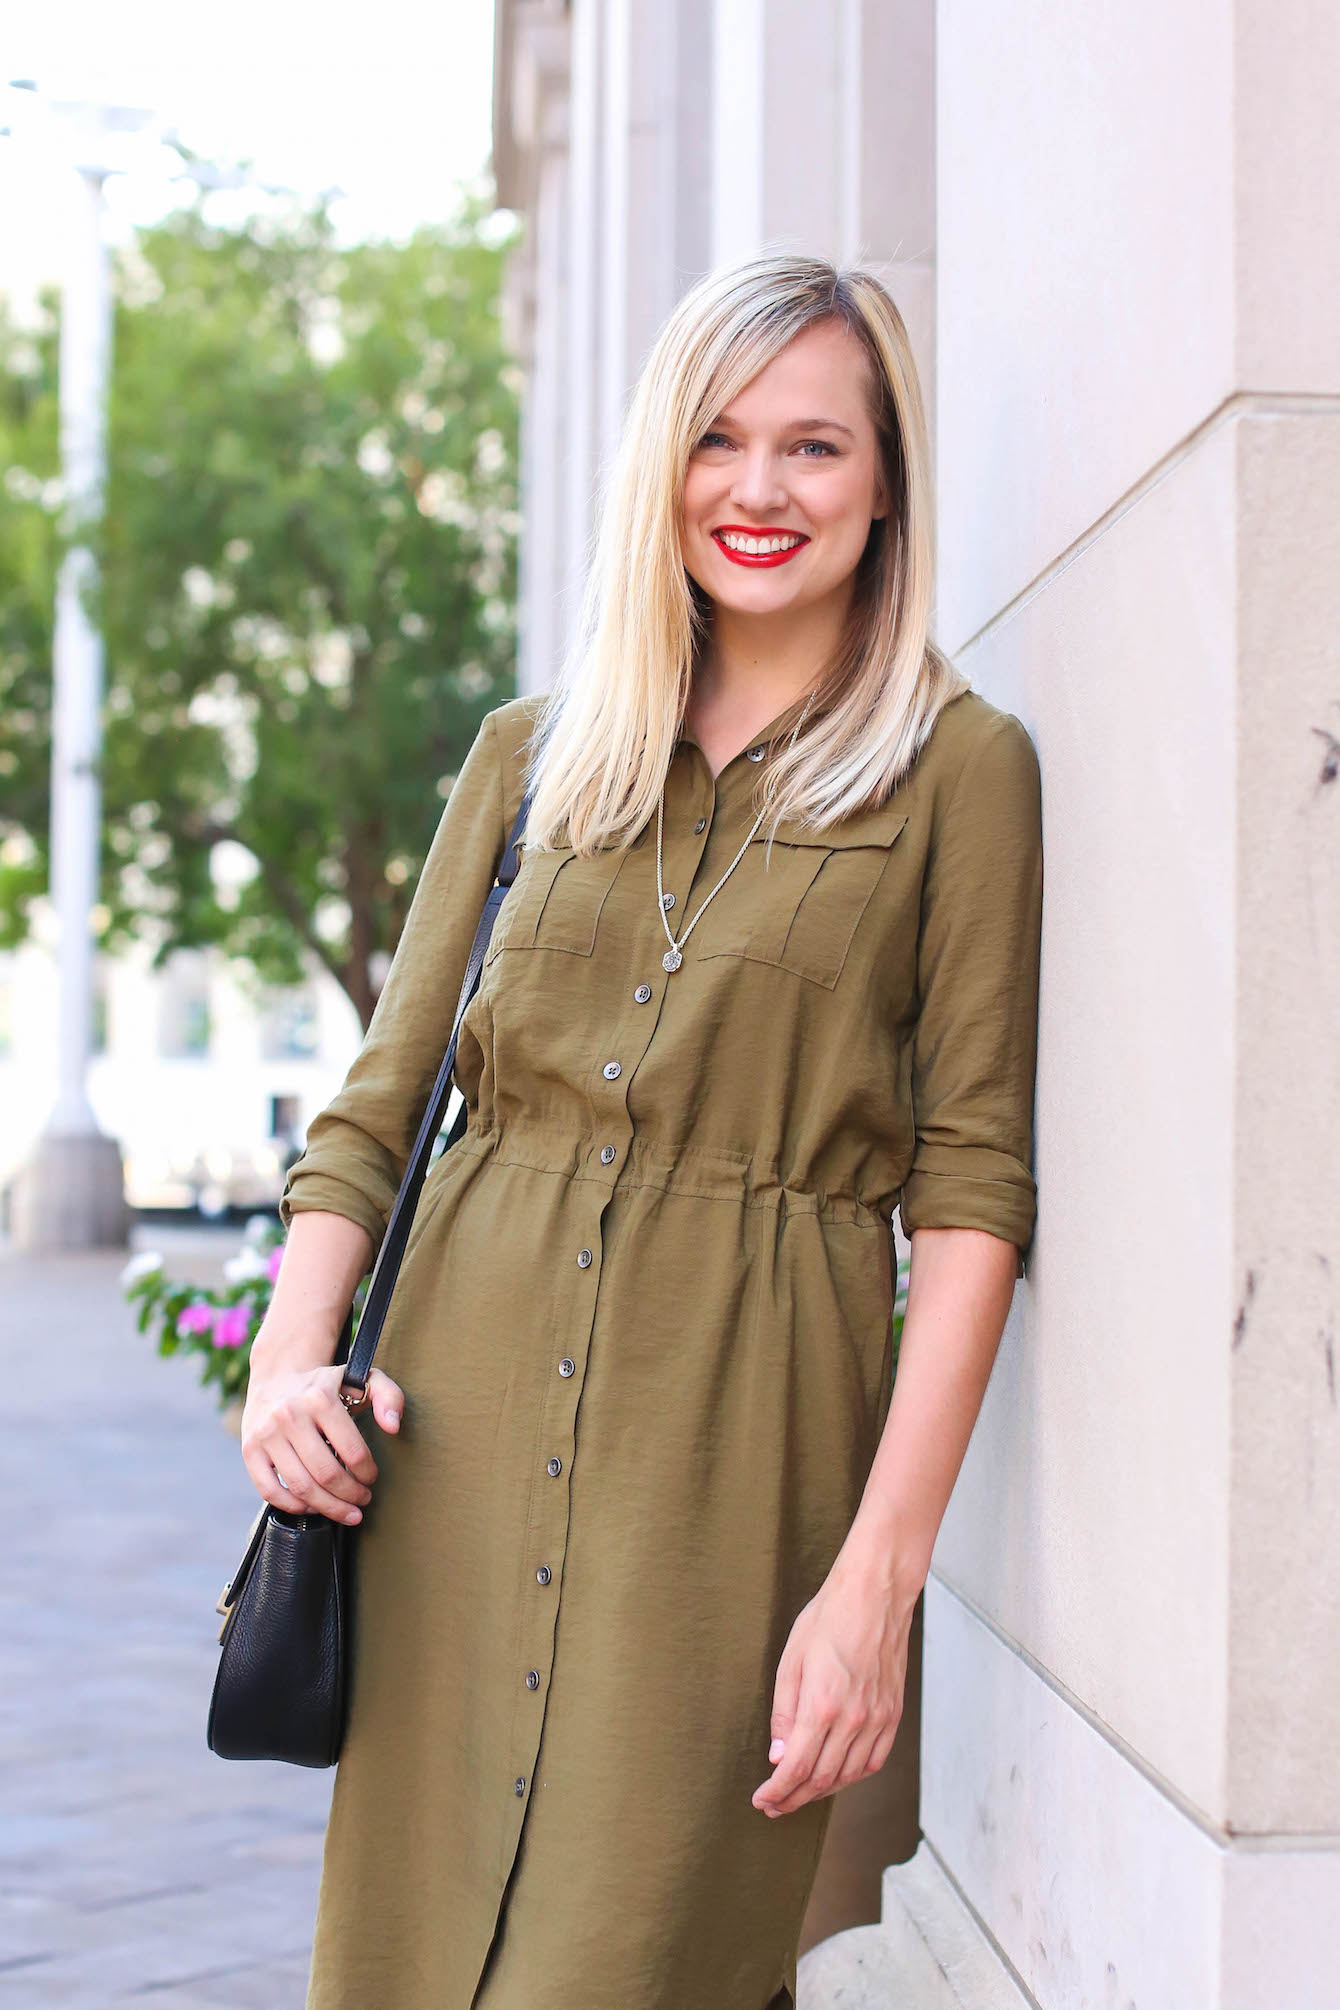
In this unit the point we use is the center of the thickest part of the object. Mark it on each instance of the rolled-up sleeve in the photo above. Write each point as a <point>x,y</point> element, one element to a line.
<point>357,1147</point>
<point>974,1055</point>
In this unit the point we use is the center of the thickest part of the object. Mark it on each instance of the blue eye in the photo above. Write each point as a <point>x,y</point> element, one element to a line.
<point>824,446</point>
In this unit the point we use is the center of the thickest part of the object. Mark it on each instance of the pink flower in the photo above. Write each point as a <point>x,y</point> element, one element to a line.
<point>276,1258</point>
<point>197,1317</point>
<point>232,1324</point>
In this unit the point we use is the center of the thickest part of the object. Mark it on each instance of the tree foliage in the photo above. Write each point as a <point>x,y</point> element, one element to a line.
<point>307,563</point>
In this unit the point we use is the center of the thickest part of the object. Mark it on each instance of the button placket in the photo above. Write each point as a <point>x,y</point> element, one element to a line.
<point>548,1528</point>
<point>603,1164</point>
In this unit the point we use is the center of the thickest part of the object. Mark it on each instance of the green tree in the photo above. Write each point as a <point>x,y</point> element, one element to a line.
<point>307,587</point>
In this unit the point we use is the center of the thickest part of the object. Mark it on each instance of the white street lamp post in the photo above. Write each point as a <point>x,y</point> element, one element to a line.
<point>85,343</point>
<point>71,1192</point>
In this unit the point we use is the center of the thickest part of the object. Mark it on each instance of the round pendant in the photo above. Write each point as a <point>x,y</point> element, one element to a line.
<point>672,959</point>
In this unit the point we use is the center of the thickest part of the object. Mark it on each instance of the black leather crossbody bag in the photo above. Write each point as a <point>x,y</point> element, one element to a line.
<point>281,1689</point>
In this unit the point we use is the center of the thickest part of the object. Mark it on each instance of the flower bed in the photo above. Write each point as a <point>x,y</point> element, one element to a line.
<point>217,1324</point>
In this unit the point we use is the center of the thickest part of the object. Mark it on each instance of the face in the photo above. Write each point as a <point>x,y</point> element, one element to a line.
<point>793,462</point>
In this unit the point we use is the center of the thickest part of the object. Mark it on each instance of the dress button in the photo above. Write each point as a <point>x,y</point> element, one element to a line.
<point>701,824</point>
<point>755,753</point>
<point>567,1366</point>
<point>543,1574</point>
<point>643,993</point>
<point>533,1679</point>
<point>584,1258</point>
<point>519,1786</point>
<point>611,1069</point>
<point>554,1468</point>
<point>667,900</point>
<point>606,1154</point>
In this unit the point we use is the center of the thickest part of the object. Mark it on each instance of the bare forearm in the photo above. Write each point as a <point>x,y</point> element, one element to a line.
<point>325,1255</point>
<point>959,1292</point>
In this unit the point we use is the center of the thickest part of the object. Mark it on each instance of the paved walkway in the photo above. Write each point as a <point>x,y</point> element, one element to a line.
<point>135,1866</point>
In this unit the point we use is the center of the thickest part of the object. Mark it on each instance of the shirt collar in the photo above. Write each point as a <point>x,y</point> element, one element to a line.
<point>760,739</point>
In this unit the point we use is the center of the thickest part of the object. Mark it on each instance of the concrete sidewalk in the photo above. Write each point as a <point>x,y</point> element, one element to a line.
<point>134,1864</point>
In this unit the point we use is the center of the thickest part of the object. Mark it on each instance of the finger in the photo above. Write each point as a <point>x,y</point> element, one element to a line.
<point>341,1432</point>
<point>265,1477</point>
<point>321,1465</point>
<point>283,1482</point>
<point>857,1762</point>
<point>301,1494</point>
<point>823,1773</point>
<point>785,1701</point>
<point>802,1749</point>
<point>290,1444</point>
<point>388,1400</point>
<point>883,1745</point>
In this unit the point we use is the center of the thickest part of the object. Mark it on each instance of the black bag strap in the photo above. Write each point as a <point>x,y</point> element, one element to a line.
<point>358,1356</point>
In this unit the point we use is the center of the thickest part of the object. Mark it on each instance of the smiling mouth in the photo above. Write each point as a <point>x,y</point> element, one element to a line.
<point>768,547</point>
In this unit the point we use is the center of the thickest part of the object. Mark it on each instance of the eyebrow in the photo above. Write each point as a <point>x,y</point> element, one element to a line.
<point>833,425</point>
<point>805,425</point>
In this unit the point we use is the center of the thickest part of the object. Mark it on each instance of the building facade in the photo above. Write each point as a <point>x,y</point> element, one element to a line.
<point>1113,235</point>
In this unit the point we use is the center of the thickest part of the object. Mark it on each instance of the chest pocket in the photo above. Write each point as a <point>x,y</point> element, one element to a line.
<point>803,910</point>
<point>555,901</point>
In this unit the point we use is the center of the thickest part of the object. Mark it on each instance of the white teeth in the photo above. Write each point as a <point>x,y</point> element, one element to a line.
<point>759,547</point>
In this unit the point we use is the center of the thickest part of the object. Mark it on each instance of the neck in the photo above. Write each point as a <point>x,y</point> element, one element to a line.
<point>753,665</point>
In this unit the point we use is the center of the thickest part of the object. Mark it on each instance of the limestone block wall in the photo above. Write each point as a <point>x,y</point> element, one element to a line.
<point>1131,1768</point>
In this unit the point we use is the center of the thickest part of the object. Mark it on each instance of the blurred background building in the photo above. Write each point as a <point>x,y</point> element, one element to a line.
<point>207,1086</point>
<point>1113,235</point>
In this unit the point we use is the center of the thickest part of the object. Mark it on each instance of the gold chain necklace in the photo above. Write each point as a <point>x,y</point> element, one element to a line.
<point>674,954</point>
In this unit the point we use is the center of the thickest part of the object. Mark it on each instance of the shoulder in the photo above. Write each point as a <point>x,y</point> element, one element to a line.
<point>971,732</point>
<point>511,727</point>
<point>978,760</point>
<point>974,793</point>
<point>514,720</point>
<point>495,767</point>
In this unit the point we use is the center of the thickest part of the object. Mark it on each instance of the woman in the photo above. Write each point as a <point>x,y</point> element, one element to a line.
<point>645,1530</point>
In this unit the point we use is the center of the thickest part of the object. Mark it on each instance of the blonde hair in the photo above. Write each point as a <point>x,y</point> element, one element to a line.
<point>604,735</point>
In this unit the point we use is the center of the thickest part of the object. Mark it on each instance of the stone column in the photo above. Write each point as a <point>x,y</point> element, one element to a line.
<point>1131,1748</point>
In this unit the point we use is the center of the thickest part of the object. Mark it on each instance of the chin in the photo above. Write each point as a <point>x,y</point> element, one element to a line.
<point>762,600</point>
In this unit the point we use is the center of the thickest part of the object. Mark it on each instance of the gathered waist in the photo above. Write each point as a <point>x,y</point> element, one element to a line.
<point>694,1170</point>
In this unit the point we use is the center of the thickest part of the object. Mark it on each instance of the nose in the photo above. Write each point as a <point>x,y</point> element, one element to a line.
<point>757,487</point>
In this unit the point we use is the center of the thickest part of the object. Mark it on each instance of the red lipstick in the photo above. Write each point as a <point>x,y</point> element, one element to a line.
<point>756,558</point>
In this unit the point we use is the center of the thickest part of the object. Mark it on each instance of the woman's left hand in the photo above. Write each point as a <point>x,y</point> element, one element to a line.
<point>838,1696</point>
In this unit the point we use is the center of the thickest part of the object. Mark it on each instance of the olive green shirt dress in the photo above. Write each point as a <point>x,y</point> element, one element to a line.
<point>643,1327</point>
